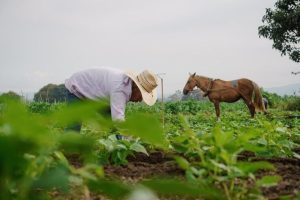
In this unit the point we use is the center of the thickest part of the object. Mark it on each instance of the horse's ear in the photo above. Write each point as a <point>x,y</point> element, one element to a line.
<point>194,74</point>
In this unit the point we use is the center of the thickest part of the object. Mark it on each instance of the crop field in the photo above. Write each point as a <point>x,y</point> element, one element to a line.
<point>175,150</point>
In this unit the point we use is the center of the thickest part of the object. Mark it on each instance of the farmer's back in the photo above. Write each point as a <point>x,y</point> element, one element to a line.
<point>98,83</point>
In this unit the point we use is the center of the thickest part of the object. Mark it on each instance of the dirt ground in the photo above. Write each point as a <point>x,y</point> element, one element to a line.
<point>157,164</point>
<point>289,170</point>
<point>141,166</point>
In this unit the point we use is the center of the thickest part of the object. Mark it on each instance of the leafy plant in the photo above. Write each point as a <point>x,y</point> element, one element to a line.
<point>117,151</point>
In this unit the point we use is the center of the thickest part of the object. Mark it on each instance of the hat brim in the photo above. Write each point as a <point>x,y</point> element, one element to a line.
<point>148,98</point>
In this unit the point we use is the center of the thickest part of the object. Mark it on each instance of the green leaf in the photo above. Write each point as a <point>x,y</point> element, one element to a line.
<point>86,174</point>
<point>296,155</point>
<point>138,148</point>
<point>142,193</point>
<point>107,144</point>
<point>183,163</point>
<point>176,187</point>
<point>222,138</point>
<point>219,165</point>
<point>57,177</point>
<point>83,111</point>
<point>112,189</point>
<point>268,181</point>
<point>281,129</point>
<point>262,141</point>
<point>76,143</point>
<point>60,156</point>
<point>145,126</point>
<point>251,167</point>
<point>255,148</point>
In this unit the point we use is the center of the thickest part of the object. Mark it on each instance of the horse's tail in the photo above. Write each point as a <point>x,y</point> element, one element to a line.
<point>258,100</point>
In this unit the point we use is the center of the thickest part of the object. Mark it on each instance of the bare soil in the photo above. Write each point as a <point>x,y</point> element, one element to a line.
<point>141,166</point>
<point>158,164</point>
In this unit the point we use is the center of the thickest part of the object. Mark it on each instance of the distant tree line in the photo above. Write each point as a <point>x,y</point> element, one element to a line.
<point>11,95</point>
<point>193,95</point>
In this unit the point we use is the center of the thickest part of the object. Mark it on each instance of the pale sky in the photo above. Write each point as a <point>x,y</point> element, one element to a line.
<point>45,41</point>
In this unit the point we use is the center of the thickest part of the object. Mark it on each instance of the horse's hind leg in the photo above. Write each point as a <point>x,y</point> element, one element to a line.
<point>217,108</point>
<point>251,107</point>
<point>248,101</point>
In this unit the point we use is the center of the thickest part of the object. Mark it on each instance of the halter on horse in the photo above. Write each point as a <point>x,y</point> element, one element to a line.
<point>227,91</point>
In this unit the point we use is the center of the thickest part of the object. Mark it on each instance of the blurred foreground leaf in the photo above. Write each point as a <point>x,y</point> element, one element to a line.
<point>146,127</point>
<point>268,181</point>
<point>174,187</point>
<point>83,111</point>
<point>112,189</point>
<point>76,143</point>
<point>251,167</point>
<point>56,177</point>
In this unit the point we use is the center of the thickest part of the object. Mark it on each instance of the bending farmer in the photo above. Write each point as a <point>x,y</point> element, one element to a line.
<point>119,86</point>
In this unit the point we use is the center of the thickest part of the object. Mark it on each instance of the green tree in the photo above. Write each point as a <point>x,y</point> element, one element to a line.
<point>51,93</point>
<point>282,25</point>
<point>195,94</point>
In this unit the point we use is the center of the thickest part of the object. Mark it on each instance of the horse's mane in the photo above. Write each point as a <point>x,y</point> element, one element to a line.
<point>217,79</point>
<point>200,76</point>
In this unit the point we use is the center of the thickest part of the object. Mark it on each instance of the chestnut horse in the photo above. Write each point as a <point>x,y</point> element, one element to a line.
<point>227,91</point>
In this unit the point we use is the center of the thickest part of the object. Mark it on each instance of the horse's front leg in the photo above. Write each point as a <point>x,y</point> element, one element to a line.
<point>217,108</point>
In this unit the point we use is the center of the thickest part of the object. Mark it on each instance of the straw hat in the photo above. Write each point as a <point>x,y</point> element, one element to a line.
<point>147,83</point>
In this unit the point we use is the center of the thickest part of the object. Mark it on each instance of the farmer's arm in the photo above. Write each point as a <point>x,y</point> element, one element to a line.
<point>118,105</point>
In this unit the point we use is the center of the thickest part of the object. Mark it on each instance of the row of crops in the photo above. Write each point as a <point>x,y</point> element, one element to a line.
<point>37,151</point>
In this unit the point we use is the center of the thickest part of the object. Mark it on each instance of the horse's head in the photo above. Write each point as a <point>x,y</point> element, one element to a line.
<point>190,84</point>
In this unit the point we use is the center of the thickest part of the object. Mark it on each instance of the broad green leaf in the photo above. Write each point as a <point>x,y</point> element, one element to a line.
<point>139,148</point>
<point>108,144</point>
<point>296,155</point>
<point>112,189</point>
<point>255,148</point>
<point>76,143</point>
<point>60,156</point>
<point>142,193</point>
<point>180,188</point>
<point>219,165</point>
<point>57,177</point>
<point>251,167</point>
<point>146,127</point>
<point>268,181</point>
<point>262,141</point>
<point>183,163</point>
<point>221,137</point>
<point>83,111</point>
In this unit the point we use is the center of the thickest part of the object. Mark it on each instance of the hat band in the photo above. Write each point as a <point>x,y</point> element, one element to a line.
<point>145,83</point>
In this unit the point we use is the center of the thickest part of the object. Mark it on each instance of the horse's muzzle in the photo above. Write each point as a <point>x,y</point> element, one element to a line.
<point>185,92</point>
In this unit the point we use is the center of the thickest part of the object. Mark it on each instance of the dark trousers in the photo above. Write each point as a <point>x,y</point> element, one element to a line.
<point>70,99</point>
<point>76,126</point>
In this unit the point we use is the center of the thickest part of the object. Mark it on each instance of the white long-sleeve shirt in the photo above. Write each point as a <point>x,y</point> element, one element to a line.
<point>103,82</point>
